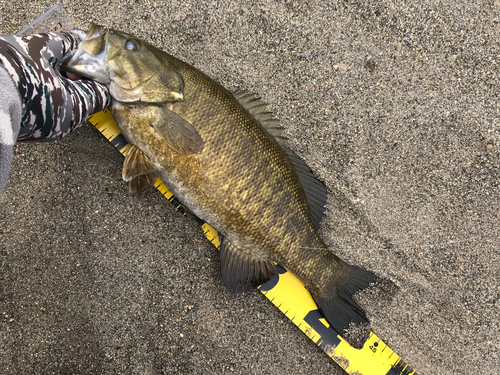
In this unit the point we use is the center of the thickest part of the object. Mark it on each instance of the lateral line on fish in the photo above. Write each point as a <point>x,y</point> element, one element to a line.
<point>364,361</point>
<point>286,290</point>
<point>449,242</point>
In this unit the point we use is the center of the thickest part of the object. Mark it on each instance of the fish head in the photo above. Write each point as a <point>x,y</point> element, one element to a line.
<point>133,70</point>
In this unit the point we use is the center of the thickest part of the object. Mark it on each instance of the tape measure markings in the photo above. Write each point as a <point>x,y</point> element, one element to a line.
<point>288,294</point>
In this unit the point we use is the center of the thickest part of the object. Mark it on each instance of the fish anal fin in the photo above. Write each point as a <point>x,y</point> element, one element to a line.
<point>242,271</point>
<point>142,183</point>
<point>136,164</point>
<point>177,133</point>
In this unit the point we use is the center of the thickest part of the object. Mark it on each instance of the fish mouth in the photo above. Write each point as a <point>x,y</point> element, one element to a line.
<point>85,65</point>
<point>100,57</point>
<point>89,60</point>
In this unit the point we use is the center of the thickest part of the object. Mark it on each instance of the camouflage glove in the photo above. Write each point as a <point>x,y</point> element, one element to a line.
<point>52,106</point>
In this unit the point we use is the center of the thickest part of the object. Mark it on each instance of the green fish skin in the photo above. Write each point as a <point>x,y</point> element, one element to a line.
<point>224,157</point>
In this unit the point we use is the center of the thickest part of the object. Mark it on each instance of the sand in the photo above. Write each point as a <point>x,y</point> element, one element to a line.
<point>394,106</point>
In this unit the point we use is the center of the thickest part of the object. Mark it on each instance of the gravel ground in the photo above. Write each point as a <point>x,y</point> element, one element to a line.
<point>394,105</point>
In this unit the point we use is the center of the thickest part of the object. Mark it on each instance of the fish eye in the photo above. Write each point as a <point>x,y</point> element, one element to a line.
<point>132,45</point>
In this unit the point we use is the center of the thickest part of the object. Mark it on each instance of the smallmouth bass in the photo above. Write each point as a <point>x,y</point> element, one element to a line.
<point>224,157</point>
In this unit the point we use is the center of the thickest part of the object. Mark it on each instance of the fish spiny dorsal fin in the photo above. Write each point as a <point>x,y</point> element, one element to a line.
<point>316,193</point>
<point>253,104</point>
<point>239,94</point>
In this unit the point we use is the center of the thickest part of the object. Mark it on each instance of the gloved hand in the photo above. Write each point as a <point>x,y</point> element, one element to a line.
<point>52,106</point>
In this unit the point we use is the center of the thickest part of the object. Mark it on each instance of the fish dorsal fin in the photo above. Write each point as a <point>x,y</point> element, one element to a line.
<point>138,170</point>
<point>242,271</point>
<point>179,134</point>
<point>316,193</point>
<point>315,190</point>
<point>253,104</point>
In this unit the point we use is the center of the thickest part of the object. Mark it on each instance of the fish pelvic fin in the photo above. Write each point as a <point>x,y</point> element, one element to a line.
<point>138,170</point>
<point>177,133</point>
<point>336,303</point>
<point>142,183</point>
<point>242,271</point>
<point>136,164</point>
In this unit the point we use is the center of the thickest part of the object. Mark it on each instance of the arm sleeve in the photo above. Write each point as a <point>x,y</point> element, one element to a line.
<point>53,106</point>
<point>10,121</point>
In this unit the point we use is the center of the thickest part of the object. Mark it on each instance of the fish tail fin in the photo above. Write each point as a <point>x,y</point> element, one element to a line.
<point>336,302</point>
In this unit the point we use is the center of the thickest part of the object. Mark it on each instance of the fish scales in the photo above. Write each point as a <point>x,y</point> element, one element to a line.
<point>253,163</point>
<point>223,165</point>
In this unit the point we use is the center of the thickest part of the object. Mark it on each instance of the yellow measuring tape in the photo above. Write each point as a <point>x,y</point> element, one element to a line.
<point>288,293</point>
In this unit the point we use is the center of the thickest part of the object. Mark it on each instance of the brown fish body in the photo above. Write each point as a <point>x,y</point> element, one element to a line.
<point>216,154</point>
<point>242,183</point>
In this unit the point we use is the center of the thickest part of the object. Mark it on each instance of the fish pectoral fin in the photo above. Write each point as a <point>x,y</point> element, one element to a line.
<point>136,164</point>
<point>141,183</point>
<point>242,271</point>
<point>179,134</point>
